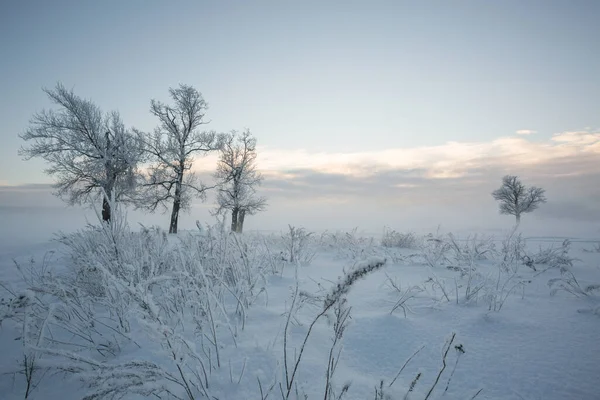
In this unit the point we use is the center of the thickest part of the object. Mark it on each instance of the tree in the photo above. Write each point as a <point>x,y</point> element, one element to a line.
<point>171,149</point>
<point>516,199</point>
<point>88,151</point>
<point>237,178</point>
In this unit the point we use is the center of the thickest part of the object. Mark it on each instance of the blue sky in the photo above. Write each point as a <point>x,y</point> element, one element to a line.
<point>351,90</point>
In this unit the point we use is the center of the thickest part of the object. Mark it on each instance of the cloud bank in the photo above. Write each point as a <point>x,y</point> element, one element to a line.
<point>411,188</point>
<point>447,182</point>
<point>450,160</point>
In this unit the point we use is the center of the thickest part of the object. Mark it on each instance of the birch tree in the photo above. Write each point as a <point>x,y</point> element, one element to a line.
<point>171,149</point>
<point>89,152</point>
<point>516,199</point>
<point>238,178</point>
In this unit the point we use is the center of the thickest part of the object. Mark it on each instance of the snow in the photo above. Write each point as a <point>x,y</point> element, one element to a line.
<point>537,346</point>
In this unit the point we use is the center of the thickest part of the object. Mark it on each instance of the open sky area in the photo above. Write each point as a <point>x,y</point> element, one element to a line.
<point>367,113</point>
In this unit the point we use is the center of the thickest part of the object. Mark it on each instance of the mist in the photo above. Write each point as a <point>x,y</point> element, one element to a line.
<point>30,214</point>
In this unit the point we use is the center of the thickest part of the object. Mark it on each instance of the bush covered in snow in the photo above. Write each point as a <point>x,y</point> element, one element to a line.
<point>392,238</point>
<point>140,312</point>
<point>150,314</point>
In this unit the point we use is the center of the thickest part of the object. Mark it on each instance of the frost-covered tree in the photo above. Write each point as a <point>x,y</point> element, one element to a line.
<point>171,149</point>
<point>516,199</point>
<point>89,151</point>
<point>238,178</point>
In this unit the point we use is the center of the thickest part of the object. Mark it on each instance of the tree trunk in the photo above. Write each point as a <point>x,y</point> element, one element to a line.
<point>234,220</point>
<point>174,216</point>
<point>106,198</point>
<point>518,216</point>
<point>105,209</point>
<point>240,224</point>
<point>176,207</point>
<point>107,189</point>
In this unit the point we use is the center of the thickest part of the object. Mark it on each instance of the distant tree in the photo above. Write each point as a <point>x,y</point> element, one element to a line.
<point>516,199</point>
<point>238,178</point>
<point>171,149</point>
<point>88,151</point>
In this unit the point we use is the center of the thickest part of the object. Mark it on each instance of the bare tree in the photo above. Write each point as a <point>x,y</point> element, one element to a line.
<point>171,149</point>
<point>88,151</point>
<point>516,199</point>
<point>237,178</point>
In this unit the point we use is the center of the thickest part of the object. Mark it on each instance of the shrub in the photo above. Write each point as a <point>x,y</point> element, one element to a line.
<point>392,238</point>
<point>179,301</point>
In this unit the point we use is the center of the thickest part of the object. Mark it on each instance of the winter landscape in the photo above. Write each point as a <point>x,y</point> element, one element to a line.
<point>321,200</point>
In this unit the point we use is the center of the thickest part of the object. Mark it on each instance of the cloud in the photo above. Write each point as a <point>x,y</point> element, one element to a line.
<point>446,161</point>
<point>455,175</point>
<point>525,132</point>
<point>400,186</point>
<point>588,141</point>
<point>433,174</point>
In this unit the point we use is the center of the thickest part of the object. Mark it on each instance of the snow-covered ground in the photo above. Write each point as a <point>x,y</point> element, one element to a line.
<point>519,341</point>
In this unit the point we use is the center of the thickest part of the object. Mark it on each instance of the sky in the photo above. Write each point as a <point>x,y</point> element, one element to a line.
<point>367,113</point>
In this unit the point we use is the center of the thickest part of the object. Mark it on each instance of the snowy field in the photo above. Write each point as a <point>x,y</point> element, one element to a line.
<point>205,314</point>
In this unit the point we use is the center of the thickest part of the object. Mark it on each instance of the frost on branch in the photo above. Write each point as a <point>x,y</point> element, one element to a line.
<point>516,199</point>
<point>171,148</point>
<point>89,152</point>
<point>237,178</point>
